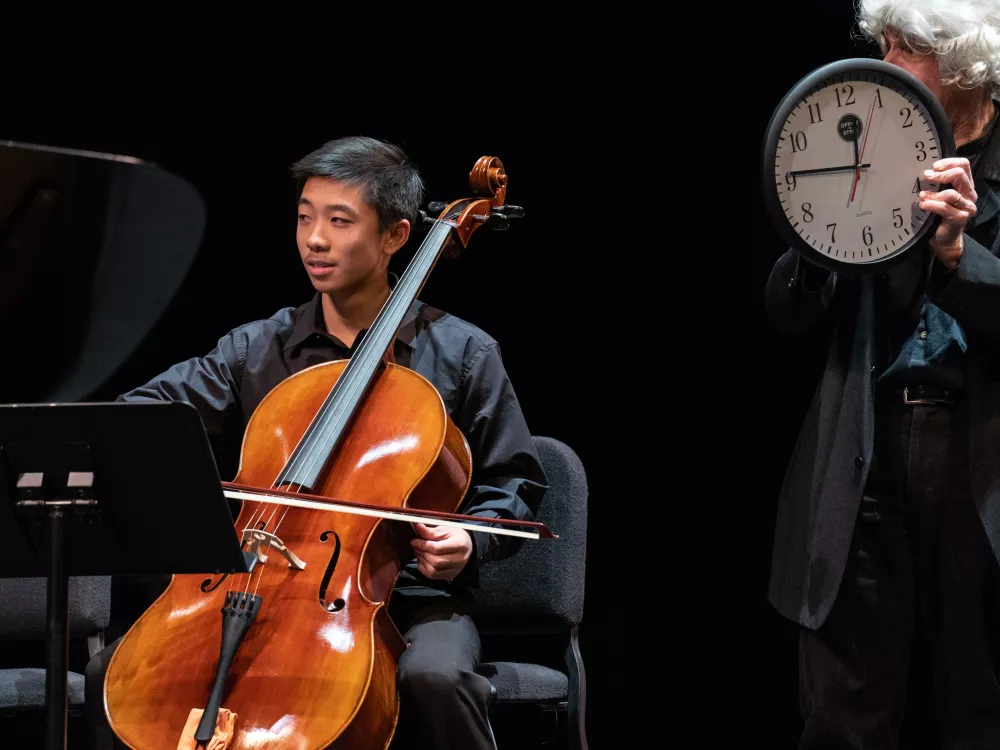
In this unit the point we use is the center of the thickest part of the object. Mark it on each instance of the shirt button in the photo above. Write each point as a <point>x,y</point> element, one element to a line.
<point>923,334</point>
<point>859,462</point>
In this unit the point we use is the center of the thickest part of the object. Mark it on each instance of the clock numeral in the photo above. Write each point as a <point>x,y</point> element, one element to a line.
<point>818,117</point>
<point>833,232</point>
<point>807,212</point>
<point>866,235</point>
<point>923,153</point>
<point>878,96</point>
<point>790,181</point>
<point>907,119</point>
<point>896,216</point>
<point>916,186</point>
<point>849,90</point>
<point>798,142</point>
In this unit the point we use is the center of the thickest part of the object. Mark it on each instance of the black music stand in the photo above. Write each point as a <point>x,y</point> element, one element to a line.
<point>106,489</point>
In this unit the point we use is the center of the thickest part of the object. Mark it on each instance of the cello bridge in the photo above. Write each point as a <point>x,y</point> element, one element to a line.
<point>258,541</point>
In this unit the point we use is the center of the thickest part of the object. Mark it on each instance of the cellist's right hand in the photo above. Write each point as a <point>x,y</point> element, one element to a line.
<point>442,551</point>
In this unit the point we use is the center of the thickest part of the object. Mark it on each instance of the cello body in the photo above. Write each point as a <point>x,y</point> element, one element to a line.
<point>318,666</point>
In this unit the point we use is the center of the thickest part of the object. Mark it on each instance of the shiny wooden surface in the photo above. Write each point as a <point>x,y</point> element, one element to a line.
<point>488,177</point>
<point>304,676</point>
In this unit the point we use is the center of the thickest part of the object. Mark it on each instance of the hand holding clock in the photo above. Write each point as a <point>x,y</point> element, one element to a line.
<point>955,206</point>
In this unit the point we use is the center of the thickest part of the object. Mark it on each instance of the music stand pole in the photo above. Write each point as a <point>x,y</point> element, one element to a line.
<point>57,634</point>
<point>33,502</point>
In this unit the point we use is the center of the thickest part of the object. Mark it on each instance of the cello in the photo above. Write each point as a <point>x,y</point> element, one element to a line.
<point>304,654</point>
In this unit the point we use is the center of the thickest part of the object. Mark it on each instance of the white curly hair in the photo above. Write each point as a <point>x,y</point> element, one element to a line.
<point>964,34</point>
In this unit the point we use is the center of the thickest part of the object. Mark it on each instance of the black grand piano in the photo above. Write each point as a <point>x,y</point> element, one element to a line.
<point>93,247</point>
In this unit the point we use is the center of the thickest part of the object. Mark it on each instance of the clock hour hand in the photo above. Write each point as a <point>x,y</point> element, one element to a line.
<point>845,168</point>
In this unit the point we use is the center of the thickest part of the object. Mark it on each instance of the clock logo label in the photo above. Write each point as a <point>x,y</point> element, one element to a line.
<point>849,127</point>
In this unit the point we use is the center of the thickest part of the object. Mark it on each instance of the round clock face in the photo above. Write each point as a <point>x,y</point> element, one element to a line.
<point>844,162</point>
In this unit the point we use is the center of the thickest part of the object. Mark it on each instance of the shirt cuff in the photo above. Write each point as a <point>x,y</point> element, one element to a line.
<point>468,577</point>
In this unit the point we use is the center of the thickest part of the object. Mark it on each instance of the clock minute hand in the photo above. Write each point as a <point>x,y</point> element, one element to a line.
<point>846,168</point>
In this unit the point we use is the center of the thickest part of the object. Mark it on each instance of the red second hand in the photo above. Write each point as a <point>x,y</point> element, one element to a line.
<point>857,172</point>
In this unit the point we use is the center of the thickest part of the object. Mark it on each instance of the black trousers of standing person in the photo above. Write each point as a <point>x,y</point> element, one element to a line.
<point>444,703</point>
<point>920,565</point>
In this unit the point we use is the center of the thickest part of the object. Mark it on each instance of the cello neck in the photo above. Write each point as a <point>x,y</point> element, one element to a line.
<point>328,426</point>
<point>383,330</point>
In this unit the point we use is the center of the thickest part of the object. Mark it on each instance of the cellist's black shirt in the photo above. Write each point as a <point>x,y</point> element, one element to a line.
<point>459,359</point>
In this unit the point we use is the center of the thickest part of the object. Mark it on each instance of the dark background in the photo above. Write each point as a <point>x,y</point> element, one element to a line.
<point>628,304</point>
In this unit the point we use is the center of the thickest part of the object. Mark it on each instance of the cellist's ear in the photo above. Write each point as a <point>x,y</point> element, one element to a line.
<point>395,236</point>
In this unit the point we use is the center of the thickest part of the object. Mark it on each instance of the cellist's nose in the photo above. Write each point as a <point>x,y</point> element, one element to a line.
<point>317,239</point>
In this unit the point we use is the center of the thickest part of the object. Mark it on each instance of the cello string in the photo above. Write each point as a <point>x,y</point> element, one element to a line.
<point>287,508</point>
<point>252,524</point>
<point>254,519</point>
<point>265,544</point>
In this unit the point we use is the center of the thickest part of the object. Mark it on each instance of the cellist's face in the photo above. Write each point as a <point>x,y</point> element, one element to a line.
<point>339,239</point>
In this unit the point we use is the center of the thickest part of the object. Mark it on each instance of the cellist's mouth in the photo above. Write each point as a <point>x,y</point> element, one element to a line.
<point>320,267</point>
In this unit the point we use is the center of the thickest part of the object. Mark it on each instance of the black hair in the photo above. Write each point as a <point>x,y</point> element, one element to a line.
<point>390,181</point>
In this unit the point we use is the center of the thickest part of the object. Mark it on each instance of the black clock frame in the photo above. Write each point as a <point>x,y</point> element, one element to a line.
<point>810,84</point>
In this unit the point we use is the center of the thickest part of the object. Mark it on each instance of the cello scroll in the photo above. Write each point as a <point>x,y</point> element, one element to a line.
<point>488,181</point>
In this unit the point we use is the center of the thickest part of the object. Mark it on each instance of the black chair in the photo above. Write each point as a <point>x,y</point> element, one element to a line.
<point>22,637</point>
<point>529,607</point>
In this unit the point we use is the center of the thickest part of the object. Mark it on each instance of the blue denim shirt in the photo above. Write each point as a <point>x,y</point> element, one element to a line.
<point>932,355</point>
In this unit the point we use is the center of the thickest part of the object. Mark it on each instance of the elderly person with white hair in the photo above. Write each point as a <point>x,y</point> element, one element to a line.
<point>899,543</point>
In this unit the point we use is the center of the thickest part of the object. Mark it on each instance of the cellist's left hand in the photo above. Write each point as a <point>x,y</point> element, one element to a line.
<point>442,551</point>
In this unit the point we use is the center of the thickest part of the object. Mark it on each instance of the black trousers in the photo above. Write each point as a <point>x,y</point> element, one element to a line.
<point>920,565</point>
<point>444,703</point>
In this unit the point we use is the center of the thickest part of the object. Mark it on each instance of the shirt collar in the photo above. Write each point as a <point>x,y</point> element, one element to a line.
<point>309,322</point>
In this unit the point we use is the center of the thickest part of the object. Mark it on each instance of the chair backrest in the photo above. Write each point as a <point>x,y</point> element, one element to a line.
<point>541,586</point>
<point>23,603</point>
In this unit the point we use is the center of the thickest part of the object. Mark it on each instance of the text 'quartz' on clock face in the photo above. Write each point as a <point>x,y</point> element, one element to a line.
<point>849,168</point>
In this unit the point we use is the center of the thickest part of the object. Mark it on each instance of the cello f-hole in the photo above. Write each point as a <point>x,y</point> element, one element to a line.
<point>337,604</point>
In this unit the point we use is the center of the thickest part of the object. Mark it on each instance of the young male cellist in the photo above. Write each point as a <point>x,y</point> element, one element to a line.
<point>357,199</point>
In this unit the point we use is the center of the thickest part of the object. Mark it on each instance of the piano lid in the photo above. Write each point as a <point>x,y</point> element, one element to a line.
<point>93,247</point>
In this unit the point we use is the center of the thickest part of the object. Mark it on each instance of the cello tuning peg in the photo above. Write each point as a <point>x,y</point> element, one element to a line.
<point>436,207</point>
<point>495,221</point>
<point>423,218</point>
<point>511,212</point>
